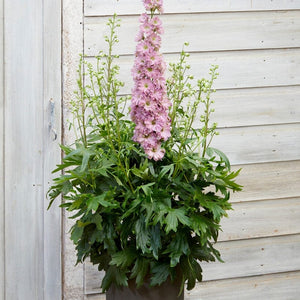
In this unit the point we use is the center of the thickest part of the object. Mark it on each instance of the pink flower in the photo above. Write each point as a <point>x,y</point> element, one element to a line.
<point>150,104</point>
<point>155,153</point>
<point>154,5</point>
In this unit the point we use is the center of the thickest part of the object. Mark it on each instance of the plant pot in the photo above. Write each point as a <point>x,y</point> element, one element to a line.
<point>166,291</point>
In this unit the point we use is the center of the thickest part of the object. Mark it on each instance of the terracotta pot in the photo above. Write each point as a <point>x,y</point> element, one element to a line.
<point>166,291</point>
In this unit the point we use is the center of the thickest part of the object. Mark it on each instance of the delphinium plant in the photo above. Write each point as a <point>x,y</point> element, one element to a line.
<point>148,194</point>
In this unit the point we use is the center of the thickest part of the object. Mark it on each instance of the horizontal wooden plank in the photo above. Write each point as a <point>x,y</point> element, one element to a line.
<point>238,69</point>
<point>262,219</point>
<point>268,181</point>
<point>125,7</point>
<point>259,144</point>
<point>205,32</point>
<point>242,258</point>
<point>255,257</point>
<point>259,106</point>
<point>275,286</point>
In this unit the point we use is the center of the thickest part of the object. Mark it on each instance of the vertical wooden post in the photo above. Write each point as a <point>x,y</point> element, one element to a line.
<point>2,239</point>
<point>24,192</point>
<point>52,138</point>
<point>32,81</point>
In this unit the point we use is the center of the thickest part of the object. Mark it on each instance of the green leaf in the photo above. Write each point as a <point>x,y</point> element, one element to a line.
<point>97,219</point>
<point>140,270</point>
<point>92,204</point>
<point>160,273</point>
<point>114,275</point>
<point>133,207</point>
<point>76,233</point>
<point>171,222</point>
<point>155,240</point>
<point>142,234</point>
<point>146,188</point>
<point>165,170</point>
<point>124,258</point>
<point>175,215</point>
<point>222,155</point>
<point>178,247</point>
<point>101,200</point>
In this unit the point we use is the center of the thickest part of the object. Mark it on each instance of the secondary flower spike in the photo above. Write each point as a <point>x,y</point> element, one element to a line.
<point>150,104</point>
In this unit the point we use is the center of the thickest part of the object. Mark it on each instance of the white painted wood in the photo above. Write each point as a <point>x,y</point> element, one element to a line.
<point>258,106</point>
<point>32,77</point>
<point>52,153</point>
<point>260,144</point>
<point>93,278</point>
<point>204,32</point>
<point>238,69</point>
<point>268,181</point>
<point>95,297</point>
<point>125,7</point>
<point>72,46</point>
<point>246,258</point>
<point>275,286</point>
<point>255,257</point>
<point>261,219</point>
<point>24,192</point>
<point>2,211</point>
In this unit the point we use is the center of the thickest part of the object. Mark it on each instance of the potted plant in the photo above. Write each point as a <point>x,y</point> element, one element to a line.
<point>148,193</point>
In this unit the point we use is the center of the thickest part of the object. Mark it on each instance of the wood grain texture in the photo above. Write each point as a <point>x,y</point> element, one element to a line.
<point>261,219</point>
<point>260,144</point>
<point>2,204</point>
<point>268,181</point>
<point>24,192</point>
<point>242,258</point>
<point>238,69</point>
<point>125,7</point>
<point>52,139</point>
<point>258,106</point>
<point>255,257</point>
<point>204,32</point>
<point>72,47</point>
<point>276,287</point>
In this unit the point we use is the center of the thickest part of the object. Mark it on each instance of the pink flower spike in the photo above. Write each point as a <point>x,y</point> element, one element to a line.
<point>150,105</point>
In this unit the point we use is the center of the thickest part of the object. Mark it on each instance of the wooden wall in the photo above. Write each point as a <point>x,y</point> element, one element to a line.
<point>256,43</point>
<point>30,118</point>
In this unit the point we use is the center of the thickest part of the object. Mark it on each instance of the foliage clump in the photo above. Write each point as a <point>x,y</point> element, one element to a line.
<point>135,216</point>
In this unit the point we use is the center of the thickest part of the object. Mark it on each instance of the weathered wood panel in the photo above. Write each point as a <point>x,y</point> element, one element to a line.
<point>268,181</point>
<point>255,257</point>
<point>258,106</point>
<point>24,191</point>
<point>52,138</point>
<point>204,32</point>
<point>72,45</point>
<point>125,7</point>
<point>2,211</point>
<point>242,258</point>
<point>238,69</point>
<point>260,144</point>
<point>276,287</point>
<point>261,219</point>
